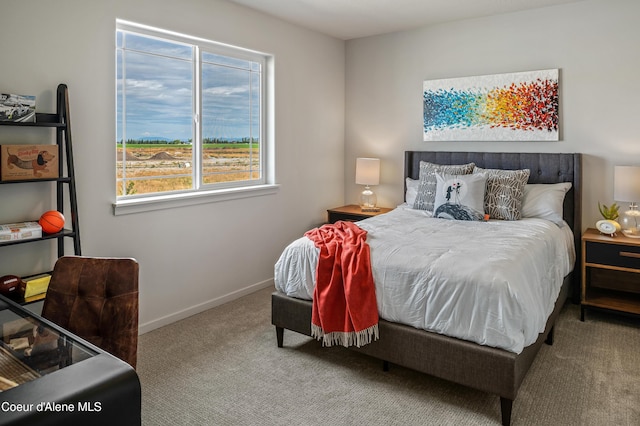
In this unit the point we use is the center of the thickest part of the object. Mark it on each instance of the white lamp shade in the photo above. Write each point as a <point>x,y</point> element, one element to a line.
<point>626,183</point>
<point>367,171</point>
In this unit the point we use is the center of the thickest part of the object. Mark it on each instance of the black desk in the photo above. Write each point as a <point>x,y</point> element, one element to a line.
<point>48,376</point>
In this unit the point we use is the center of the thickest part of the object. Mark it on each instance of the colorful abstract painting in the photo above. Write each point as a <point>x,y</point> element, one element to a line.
<point>502,107</point>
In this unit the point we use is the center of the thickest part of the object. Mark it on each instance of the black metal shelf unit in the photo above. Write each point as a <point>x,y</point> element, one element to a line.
<point>61,121</point>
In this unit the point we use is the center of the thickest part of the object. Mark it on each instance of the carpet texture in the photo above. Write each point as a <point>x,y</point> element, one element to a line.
<point>222,367</point>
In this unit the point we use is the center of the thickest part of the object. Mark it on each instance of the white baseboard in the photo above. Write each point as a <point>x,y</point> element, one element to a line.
<point>201,307</point>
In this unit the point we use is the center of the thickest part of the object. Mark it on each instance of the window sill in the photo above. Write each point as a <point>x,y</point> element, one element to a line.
<point>139,205</point>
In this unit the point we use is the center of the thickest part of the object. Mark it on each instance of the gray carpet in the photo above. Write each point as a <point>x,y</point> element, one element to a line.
<point>222,367</point>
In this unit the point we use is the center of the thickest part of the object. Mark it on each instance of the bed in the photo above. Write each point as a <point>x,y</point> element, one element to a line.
<point>497,370</point>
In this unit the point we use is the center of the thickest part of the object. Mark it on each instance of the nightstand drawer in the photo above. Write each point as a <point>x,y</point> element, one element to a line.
<point>612,255</point>
<point>345,217</point>
<point>352,213</point>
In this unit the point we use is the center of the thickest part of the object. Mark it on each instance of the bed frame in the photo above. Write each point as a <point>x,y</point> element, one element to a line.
<point>481,367</point>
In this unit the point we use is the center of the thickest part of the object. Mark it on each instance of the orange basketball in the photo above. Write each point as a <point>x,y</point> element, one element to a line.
<point>52,221</point>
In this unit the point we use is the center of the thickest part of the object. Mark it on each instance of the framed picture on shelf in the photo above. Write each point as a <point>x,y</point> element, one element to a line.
<point>17,108</point>
<point>21,162</point>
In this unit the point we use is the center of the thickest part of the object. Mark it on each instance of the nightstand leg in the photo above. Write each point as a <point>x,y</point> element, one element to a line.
<point>582,313</point>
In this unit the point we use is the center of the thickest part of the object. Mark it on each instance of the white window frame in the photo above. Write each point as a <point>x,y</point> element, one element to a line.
<point>206,193</point>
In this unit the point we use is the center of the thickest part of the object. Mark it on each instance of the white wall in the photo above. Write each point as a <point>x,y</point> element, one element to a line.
<point>593,43</point>
<point>194,257</point>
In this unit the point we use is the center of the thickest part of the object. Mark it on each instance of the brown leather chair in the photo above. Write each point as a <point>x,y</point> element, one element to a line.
<point>97,299</point>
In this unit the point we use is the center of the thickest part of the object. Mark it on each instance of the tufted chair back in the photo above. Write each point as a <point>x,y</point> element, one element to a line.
<point>97,299</point>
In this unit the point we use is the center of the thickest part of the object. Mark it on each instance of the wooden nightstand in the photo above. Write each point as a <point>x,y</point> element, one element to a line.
<point>352,213</point>
<point>610,273</point>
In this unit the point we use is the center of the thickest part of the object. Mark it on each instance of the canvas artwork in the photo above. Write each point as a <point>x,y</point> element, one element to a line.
<point>501,107</point>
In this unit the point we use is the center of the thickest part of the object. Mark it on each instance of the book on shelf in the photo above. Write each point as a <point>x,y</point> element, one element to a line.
<point>20,231</point>
<point>36,285</point>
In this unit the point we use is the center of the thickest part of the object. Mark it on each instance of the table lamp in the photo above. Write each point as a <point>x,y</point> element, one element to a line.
<point>626,187</point>
<point>368,173</point>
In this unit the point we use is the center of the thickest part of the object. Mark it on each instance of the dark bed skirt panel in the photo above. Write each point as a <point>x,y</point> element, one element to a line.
<point>481,367</point>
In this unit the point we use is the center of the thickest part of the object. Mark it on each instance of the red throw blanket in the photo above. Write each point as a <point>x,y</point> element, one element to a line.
<point>345,310</point>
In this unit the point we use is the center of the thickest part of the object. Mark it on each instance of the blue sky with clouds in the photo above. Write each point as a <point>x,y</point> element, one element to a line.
<point>158,86</point>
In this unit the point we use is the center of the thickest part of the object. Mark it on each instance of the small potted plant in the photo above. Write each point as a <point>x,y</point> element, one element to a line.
<point>608,225</point>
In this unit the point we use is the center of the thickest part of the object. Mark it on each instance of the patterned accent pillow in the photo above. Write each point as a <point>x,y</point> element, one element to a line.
<point>427,188</point>
<point>505,192</point>
<point>460,197</point>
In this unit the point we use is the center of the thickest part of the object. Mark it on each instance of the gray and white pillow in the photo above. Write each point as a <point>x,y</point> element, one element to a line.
<point>427,187</point>
<point>460,197</point>
<point>505,192</point>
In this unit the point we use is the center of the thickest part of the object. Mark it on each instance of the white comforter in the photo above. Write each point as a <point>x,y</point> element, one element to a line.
<point>494,283</point>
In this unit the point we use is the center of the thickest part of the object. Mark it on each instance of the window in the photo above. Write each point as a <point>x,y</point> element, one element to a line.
<point>189,115</point>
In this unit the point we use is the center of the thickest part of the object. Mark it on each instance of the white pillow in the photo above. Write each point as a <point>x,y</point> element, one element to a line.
<point>545,201</point>
<point>460,197</point>
<point>412,191</point>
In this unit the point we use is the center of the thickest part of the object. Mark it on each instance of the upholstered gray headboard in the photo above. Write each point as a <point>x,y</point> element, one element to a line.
<point>544,167</point>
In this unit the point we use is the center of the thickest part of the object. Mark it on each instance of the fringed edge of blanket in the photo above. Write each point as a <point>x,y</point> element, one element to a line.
<point>346,339</point>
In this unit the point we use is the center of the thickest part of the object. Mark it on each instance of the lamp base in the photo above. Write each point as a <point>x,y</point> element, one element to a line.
<point>631,233</point>
<point>368,200</point>
<point>630,222</point>
<point>369,209</point>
